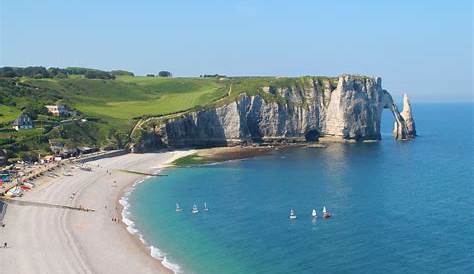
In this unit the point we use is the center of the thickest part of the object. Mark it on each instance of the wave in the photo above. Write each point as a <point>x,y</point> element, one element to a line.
<point>158,254</point>
<point>131,228</point>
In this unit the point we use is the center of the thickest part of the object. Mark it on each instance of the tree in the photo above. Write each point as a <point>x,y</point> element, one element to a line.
<point>121,73</point>
<point>57,72</point>
<point>34,72</point>
<point>98,74</point>
<point>7,72</point>
<point>164,73</point>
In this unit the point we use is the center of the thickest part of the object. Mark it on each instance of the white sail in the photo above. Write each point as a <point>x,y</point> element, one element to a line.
<point>314,214</point>
<point>324,209</point>
<point>195,209</point>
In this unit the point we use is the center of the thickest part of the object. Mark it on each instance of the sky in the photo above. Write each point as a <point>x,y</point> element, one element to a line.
<point>423,48</point>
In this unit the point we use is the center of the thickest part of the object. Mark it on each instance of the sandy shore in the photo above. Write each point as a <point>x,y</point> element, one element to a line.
<point>54,240</point>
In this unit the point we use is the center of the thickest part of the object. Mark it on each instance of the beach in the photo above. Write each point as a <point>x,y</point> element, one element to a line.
<point>43,239</point>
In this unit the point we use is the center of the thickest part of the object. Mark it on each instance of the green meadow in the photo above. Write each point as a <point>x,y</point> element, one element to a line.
<point>111,107</point>
<point>120,100</point>
<point>8,113</point>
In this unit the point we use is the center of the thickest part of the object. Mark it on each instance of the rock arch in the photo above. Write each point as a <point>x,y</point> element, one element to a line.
<point>404,126</point>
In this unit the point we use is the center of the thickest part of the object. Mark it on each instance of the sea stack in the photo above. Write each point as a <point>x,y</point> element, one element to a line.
<point>408,117</point>
<point>348,108</point>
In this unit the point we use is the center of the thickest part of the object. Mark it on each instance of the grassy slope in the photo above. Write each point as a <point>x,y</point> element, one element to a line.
<point>115,104</point>
<point>109,105</point>
<point>118,101</point>
<point>8,113</point>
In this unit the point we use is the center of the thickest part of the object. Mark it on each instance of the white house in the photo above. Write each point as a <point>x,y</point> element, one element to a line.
<point>56,110</point>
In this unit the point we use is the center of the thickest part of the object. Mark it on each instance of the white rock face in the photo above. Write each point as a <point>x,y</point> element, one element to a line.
<point>355,108</point>
<point>408,117</point>
<point>351,110</point>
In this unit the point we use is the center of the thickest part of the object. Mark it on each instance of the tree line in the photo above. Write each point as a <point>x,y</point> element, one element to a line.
<point>54,72</point>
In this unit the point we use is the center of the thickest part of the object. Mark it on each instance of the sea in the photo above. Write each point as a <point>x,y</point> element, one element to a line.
<point>397,206</point>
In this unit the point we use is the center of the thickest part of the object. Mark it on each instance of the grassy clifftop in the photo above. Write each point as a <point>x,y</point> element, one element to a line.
<point>111,107</point>
<point>120,100</point>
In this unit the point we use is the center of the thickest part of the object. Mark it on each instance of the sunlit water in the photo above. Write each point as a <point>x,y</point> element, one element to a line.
<point>398,207</point>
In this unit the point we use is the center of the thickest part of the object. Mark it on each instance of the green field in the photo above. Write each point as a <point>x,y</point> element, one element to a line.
<point>113,106</point>
<point>120,100</point>
<point>8,113</point>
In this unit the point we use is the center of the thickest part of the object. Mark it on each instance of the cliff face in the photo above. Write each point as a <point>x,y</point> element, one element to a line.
<point>352,110</point>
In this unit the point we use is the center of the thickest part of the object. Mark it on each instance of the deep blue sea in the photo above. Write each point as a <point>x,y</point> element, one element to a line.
<point>398,207</point>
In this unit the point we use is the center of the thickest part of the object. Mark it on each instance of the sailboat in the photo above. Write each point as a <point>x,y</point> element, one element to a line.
<point>326,213</point>
<point>314,214</point>
<point>205,207</point>
<point>292,214</point>
<point>178,209</point>
<point>195,209</point>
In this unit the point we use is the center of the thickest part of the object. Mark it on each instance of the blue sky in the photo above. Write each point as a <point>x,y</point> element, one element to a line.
<point>423,48</point>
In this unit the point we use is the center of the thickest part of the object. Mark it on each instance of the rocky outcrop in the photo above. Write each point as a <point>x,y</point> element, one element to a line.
<point>408,117</point>
<point>350,110</point>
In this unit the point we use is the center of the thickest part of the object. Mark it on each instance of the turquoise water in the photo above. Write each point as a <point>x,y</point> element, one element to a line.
<point>398,207</point>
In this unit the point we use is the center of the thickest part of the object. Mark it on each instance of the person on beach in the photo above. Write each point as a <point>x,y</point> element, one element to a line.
<point>5,245</point>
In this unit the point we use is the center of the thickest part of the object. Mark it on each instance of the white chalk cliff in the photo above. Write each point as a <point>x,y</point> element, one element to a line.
<point>350,110</point>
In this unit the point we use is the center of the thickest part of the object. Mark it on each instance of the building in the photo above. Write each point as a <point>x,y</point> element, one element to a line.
<point>23,122</point>
<point>56,110</point>
<point>86,150</point>
<point>47,159</point>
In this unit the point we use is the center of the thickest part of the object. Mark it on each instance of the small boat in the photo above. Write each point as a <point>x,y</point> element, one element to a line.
<point>292,214</point>
<point>178,209</point>
<point>205,207</point>
<point>314,214</point>
<point>326,213</point>
<point>195,209</point>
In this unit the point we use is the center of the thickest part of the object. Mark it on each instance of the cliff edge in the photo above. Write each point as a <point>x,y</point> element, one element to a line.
<point>315,107</point>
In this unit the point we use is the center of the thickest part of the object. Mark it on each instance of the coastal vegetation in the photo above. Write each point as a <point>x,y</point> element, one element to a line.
<point>193,159</point>
<point>103,107</point>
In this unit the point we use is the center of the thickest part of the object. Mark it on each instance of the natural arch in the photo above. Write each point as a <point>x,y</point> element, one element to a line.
<point>400,129</point>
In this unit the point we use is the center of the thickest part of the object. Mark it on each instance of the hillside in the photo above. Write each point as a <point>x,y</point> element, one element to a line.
<point>102,112</point>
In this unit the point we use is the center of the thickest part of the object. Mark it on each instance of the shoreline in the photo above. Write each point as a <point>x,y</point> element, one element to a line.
<point>78,241</point>
<point>216,154</point>
<point>128,225</point>
<point>92,242</point>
